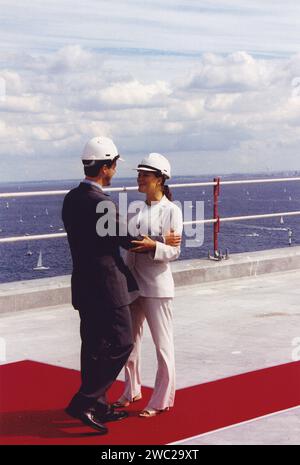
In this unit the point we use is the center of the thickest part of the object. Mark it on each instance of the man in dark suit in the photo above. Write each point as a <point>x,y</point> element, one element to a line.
<point>100,285</point>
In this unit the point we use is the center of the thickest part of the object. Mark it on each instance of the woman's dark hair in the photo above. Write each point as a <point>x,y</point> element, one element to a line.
<point>167,192</point>
<point>92,168</point>
<point>165,189</point>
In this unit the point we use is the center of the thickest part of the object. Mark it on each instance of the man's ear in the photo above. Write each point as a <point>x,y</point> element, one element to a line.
<point>103,169</point>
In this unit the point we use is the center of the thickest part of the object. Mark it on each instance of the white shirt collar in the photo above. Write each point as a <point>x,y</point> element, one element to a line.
<point>162,201</point>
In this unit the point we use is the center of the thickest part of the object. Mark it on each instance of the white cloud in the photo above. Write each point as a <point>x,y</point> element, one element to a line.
<point>236,72</point>
<point>13,82</point>
<point>217,80</point>
<point>71,58</point>
<point>134,93</point>
<point>22,104</point>
<point>224,105</point>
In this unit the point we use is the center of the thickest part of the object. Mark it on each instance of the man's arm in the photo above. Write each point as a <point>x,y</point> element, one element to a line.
<point>169,248</point>
<point>127,241</point>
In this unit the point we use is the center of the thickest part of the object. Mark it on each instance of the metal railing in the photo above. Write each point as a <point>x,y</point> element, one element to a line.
<point>216,220</point>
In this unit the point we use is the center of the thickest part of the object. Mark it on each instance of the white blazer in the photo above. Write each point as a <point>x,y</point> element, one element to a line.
<point>152,270</point>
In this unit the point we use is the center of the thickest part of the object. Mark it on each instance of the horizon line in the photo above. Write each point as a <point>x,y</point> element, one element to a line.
<point>234,173</point>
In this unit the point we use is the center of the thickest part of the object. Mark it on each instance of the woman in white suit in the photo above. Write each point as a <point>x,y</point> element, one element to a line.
<point>151,269</point>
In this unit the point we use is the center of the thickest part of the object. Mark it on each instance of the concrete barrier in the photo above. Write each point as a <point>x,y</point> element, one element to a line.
<point>37,293</point>
<point>188,272</point>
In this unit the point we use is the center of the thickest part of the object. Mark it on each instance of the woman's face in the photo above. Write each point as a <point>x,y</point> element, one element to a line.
<point>148,183</point>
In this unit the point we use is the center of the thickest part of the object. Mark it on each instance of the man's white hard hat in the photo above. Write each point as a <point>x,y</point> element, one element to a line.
<point>155,162</point>
<point>100,148</point>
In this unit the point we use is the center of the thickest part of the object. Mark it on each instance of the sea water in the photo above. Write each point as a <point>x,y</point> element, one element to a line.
<point>42,215</point>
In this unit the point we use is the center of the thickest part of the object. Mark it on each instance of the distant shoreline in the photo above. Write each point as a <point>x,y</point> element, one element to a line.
<point>201,176</point>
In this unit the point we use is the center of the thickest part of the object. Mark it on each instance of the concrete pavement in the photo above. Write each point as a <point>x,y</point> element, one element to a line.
<point>222,328</point>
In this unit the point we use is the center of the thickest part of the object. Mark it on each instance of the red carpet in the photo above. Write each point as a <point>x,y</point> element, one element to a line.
<point>33,396</point>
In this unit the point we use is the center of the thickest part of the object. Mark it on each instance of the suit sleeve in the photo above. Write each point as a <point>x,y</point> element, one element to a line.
<point>164,252</point>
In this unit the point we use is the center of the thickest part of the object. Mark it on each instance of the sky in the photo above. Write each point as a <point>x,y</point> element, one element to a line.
<point>213,85</point>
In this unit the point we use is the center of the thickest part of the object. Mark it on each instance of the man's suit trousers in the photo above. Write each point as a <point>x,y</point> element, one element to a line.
<point>106,342</point>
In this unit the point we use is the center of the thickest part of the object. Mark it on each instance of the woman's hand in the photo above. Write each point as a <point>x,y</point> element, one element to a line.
<point>145,245</point>
<point>172,239</point>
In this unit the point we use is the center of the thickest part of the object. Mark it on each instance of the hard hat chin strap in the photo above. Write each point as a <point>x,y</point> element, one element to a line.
<point>150,167</point>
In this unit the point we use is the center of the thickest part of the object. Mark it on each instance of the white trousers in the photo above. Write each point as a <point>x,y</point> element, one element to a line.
<point>158,313</point>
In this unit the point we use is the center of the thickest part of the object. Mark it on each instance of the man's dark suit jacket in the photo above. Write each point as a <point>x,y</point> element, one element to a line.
<point>99,273</point>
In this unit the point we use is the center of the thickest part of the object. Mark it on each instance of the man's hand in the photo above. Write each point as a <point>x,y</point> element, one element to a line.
<point>145,245</point>
<point>172,239</point>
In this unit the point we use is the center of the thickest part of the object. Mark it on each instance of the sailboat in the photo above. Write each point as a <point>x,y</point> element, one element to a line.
<point>7,205</point>
<point>28,253</point>
<point>39,266</point>
<point>281,220</point>
<point>46,211</point>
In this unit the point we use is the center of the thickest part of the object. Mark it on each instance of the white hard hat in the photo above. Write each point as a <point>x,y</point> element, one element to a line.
<point>100,148</point>
<point>155,162</point>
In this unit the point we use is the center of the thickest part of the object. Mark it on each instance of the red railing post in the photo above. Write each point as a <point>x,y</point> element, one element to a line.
<point>216,216</point>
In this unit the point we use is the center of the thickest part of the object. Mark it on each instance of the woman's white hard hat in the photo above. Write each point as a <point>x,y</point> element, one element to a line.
<point>155,162</point>
<point>100,148</point>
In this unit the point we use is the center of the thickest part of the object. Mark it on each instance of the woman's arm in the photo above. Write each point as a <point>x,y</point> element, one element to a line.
<point>165,253</point>
<point>169,249</point>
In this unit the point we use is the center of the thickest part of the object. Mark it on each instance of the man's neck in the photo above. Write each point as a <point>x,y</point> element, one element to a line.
<point>96,180</point>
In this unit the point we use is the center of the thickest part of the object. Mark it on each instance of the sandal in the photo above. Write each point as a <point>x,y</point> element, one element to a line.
<point>123,402</point>
<point>152,412</point>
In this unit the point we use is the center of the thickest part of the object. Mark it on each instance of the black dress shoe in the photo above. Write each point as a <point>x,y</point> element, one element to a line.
<point>89,418</point>
<point>113,416</point>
